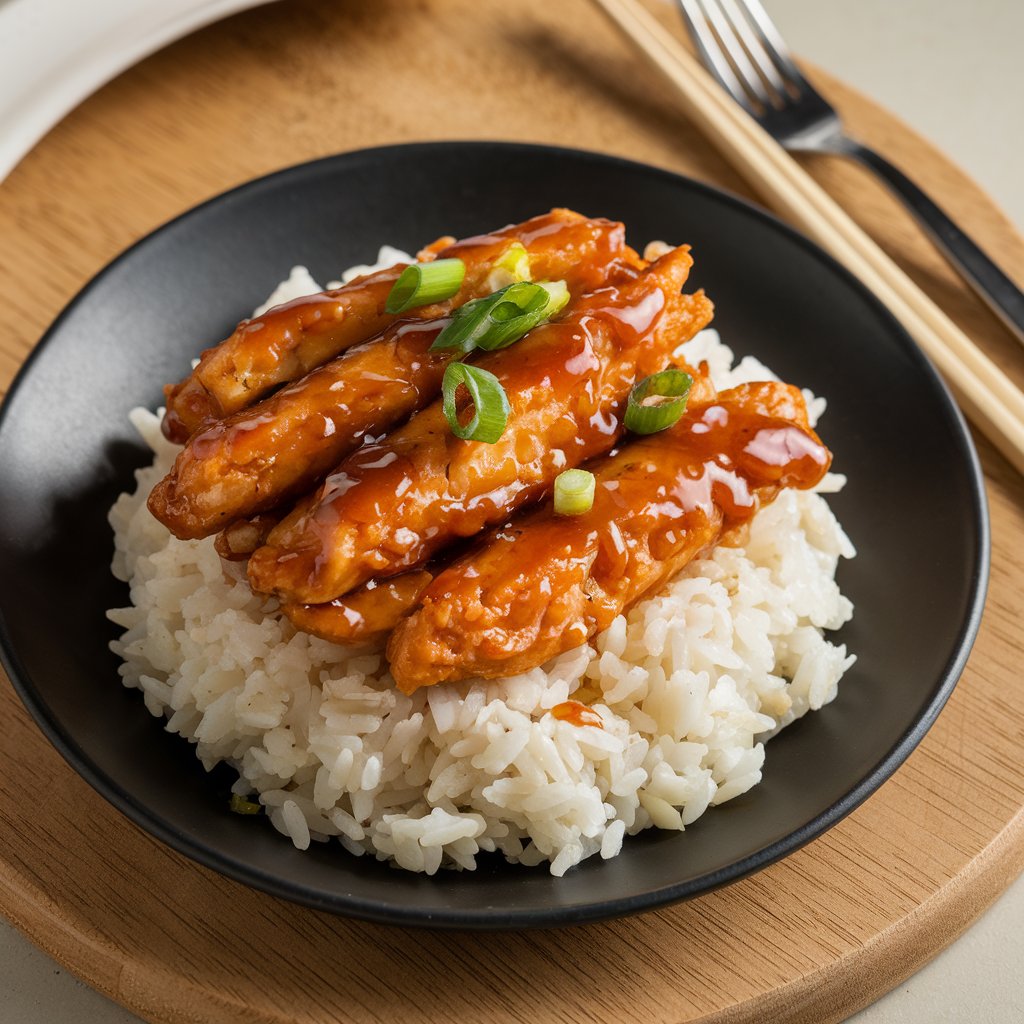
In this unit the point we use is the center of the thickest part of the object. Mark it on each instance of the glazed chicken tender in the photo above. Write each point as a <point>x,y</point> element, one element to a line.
<point>289,340</point>
<point>366,613</point>
<point>392,505</point>
<point>546,583</point>
<point>279,448</point>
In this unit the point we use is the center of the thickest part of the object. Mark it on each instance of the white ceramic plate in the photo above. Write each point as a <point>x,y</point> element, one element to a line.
<point>54,53</point>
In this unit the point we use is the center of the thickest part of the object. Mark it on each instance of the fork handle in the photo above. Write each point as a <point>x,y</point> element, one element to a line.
<point>1004,298</point>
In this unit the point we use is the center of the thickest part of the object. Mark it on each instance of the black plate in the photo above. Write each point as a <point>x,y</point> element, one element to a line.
<point>914,507</point>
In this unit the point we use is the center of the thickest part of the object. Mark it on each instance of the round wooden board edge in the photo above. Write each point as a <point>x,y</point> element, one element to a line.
<point>855,981</point>
<point>151,991</point>
<point>158,994</point>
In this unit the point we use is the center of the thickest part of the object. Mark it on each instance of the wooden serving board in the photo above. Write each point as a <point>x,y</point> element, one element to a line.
<point>813,938</point>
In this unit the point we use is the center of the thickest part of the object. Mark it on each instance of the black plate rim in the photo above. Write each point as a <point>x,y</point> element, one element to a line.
<point>489,919</point>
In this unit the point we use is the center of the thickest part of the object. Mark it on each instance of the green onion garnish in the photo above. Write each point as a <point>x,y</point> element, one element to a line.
<point>511,266</point>
<point>574,492</point>
<point>669,390</point>
<point>502,317</point>
<point>421,284</point>
<point>242,806</point>
<point>490,403</point>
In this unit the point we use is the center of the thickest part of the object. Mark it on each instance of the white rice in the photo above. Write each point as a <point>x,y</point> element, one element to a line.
<point>688,685</point>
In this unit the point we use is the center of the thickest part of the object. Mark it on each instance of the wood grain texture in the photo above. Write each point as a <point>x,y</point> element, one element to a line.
<point>811,939</point>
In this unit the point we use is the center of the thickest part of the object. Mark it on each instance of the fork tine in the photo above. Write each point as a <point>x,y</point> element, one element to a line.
<point>736,53</point>
<point>773,43</point>
<point>711,52</point>
<point>738,15</point>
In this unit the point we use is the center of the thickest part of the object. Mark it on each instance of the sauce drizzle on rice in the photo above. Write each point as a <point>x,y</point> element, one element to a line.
<point>575,713</point>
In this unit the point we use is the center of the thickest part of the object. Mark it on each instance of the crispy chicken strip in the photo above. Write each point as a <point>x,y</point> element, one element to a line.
<point>366,613</point>
<point>257,458</point>
<point>546,583</point>
<point>389,506</point>
<point>289,340</point>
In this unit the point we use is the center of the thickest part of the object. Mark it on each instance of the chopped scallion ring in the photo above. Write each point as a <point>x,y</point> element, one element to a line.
<point>490,403</point>
<point>511,266</point>
<point>503,317</point>
<point>242,806</point>
<point>658,401</point>
<point>574,492</point>
<point>421,284</point>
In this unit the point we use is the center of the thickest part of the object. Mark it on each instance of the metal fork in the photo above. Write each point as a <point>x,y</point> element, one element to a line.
<point>742,48</point>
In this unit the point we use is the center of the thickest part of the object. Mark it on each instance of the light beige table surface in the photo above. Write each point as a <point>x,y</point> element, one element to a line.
<point>953,71</point>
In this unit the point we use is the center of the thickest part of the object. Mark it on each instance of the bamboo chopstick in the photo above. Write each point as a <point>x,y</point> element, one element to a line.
<point>987,396</point>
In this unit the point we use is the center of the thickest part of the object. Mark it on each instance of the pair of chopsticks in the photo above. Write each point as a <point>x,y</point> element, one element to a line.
<point>986,395</point>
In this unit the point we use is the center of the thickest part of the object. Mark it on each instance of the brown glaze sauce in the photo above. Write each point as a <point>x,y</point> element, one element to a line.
<point>365,613</point>
<point>261,456</point>
<point>295,337</point>
<point>575,713</point>
<point>708,474</point>
<point>546,583</point>
<point>397,501</point>
<point>378,474</point>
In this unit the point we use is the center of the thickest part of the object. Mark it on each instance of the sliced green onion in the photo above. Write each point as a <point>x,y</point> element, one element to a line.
<point>558,296</point>
<point>502,318</point>
<point>574,492</point>
<point>490,403</point>
<point>421,284</point>
<point>513,265</point>
<point>240,805</point>
<point>657,401</point>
